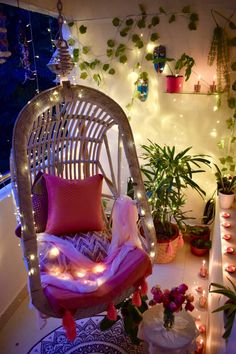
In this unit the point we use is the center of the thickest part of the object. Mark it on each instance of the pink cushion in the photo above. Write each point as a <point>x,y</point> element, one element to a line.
<point>132,270</point>
<point>74,205</point>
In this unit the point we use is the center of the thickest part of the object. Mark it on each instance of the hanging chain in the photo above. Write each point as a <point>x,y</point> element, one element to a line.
<point>60,18</point>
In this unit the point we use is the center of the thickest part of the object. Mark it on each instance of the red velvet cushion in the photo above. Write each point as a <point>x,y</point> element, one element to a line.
<point>74,205</point>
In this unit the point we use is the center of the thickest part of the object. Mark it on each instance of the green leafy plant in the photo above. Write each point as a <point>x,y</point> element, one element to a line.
<point>197,230</point>
<point>131,315</point>
<point>226,184</point>
<point>168,174</point>
<point>201,243</point>
<point>229,307</point>
<point>184,62</point>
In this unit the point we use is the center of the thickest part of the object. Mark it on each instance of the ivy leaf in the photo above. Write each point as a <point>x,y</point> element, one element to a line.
<point>110,43</point>
<point>83,29</point>
<point>76,54</point>
<point>111,71</point>
<point>85,50</point>
<point>83,66</point>
<point>232,42</point>
<point>123,59</point>
<point>149,57</point>
<point>154,37</point>
<point>71,41</point>
<point>155,21</point>
<point>120,49</point>
<point>162,11</point>
<point>97,79</point>
<point>172,18</point>
<point>116,21</point>
<point>186,9</point>
<point>142,9</point>
<point>233,66</point>
<point>124,32</point>
<point>194,17</point>
<point>110,52</point>
<point>232,25</point>
<point>71,24</point>
<point>129,22</point>
<point>135,38</point>
<point>192,26</point>
<point>83,75</point>
<point>141,23</point>
<point>139,44</point>
<point>105,67</point>
<point>232,102</point>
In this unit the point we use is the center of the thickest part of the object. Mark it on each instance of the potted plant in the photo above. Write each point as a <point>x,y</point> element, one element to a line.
<point>200,246</point>
<point>229,307</point>
<point>168,174</point>
<point>194,232</point>
<point>226,185</point>
<point>174,82</point>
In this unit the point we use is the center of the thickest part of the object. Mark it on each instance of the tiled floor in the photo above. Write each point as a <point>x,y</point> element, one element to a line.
<point>21,332</point>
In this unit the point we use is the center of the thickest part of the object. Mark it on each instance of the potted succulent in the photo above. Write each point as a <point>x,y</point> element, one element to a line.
<point>229,307</point>
<point>174,82</point>
<point>226,186</point>
<point>194,232</point>
<point>167,175</point>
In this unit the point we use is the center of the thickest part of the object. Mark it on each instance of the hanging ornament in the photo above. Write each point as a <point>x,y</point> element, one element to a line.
<point>24,53</point>
<point>159,52</point>
<point>142,86</point>
<point>4,52</point>
<point>61,62</point>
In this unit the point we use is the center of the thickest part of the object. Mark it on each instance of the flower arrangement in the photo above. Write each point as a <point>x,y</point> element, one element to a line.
<point>173,301</point>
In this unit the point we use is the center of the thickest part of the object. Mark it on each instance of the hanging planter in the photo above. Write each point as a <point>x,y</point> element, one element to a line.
<point>159,52</point>
<point>142,86</point>
<point>174,84</point>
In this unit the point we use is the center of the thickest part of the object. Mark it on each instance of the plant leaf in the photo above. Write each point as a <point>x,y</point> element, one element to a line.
<point>83,29</point>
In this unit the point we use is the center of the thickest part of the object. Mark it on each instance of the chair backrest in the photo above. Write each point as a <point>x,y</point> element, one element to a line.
<point>73,132</point>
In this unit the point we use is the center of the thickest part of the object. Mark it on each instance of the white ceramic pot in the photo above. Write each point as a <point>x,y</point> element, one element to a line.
<point>226,200</point>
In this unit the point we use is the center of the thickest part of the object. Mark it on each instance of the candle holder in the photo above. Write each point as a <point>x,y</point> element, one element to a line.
<point>226,215</point>
<point>226,224</point>
<point>213,87</point>
<point>199,345</point>
<point>197,87</point>
<point>202,328</point>
<point>202,300</point>
<point>227,237</point>
<point>203,270</point>
<point>230,268</point>
<point>229,250</point>
<point>199,289</point>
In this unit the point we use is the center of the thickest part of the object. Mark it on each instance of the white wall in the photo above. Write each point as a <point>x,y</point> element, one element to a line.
<point>174,119</point>
<point>12,271</point>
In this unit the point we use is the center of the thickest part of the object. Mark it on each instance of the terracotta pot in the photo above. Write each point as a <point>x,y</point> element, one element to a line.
<point>199,251</point>
<point>174,84</point>
<point>225,200</point>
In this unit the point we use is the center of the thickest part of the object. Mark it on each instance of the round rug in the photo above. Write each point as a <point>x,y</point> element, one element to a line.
<point>89,339</point>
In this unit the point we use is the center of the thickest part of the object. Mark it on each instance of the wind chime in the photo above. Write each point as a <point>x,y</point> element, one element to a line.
<point>4,52</point>
<point>61,62</point>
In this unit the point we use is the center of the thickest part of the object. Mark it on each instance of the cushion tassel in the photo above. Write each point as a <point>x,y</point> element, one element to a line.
<point>144,287</point>
<point>136,299</point>
<point>68,323</point>
<point>111,312</point>
<point>181,240</point>
<point>169,249</point>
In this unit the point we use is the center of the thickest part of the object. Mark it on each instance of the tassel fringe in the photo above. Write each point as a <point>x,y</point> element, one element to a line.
<point>68,323</point>
<point>136,299</point>
<point>111,312</point>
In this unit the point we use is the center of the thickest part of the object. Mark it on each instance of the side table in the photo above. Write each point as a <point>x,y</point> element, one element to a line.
<point>180,339</point>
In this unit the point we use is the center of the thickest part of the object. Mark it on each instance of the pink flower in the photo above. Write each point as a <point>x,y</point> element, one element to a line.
<point>189,306</point>
<point>172,306</point>
<point>183,288</point>
<point>179,299</point>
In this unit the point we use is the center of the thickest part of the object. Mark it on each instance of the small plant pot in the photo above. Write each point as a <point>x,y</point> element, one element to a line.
<point>199,251</point>
<point>226,200</point>
<point>174,84</point>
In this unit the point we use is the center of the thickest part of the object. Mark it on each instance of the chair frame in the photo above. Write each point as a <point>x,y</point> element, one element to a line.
<point>52,134</point>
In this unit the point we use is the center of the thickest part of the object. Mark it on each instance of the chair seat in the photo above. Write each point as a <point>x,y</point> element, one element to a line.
<point>132,270</point>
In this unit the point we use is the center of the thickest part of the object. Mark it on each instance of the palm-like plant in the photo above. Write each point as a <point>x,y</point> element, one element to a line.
<point>168,174</point>
<point>229,307</point>
<point>226,184</point>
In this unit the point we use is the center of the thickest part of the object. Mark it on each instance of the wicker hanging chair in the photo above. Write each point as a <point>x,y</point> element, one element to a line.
<point>64,131</point>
